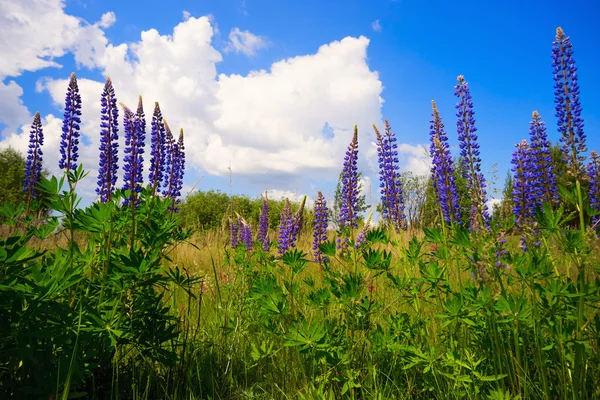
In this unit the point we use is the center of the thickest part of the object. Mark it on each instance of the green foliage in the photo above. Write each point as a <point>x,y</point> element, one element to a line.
<point>12,172</point>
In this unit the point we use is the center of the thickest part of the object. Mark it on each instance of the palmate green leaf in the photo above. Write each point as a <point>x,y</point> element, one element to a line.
<point>378,260</point>
<point>306,336</point>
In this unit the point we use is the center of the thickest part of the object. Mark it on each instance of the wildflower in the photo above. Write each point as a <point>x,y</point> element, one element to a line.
<point>175,166</point>
<point>247,235</point>
<point>593,171</point>
<point>567,106</point>
<point>134,150</point>
<point>33,165</point>
<point>109,143</point>
<point>296,223</point>
<point>524,191</point>
<point>69,143</point>
<point>443,170</point>
<point>284,228</point>
<point>320,228</point>
<point>469,147</point>
<point>233,233</point>
<point>157,150</point>
<point>263,224</point>
<point>389,178</point>
<point>169,159</point>
<point>541,162</point>
<point>349,208</point>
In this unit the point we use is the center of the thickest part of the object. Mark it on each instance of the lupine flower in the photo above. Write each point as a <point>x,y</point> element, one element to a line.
<point>247,236</point>
<point>169,160</point>
<point>284,228</point>
<point>178,171</point>
<point>593,171</point>
<point>541,162</point>
<point>320,228</point>
<point>349,208</point>
<point>296,223</point>
<point>134,150</point>
<point>263,224</point>
<point>389,178</point>
<point>69,143</point>
<point>568,109</point>
<point>157,150</point>
<point>109,143</point>
<point>501,251</point>
<point>443,170</point>
<point>33,165</point>
<point>469,150</point>
<point>523,187</point>
<point>233,232</point>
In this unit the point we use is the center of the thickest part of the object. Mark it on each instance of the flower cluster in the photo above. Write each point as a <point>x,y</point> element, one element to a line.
<point>174,166</point>
<point>285,224</point>
<point>233,232</point>
<point>524,188</point>
<point>69,143</point>
<point>157,150</point>
<point>389,178</point>
<point>567,106</point>
<point>542,173</point>
<point>263,224</point>
<point>593,171</point>
<point>320,228</point>
<point>134,150</point>
<point>247,235</point>
<point>33,165</point>
<point>469,150</point>
<point>442,170</point>
<point>109,143</point>
<point>349,208</point>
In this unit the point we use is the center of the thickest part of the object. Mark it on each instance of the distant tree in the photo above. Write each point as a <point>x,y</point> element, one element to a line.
<point>415,192</point>
<point>12,172</point>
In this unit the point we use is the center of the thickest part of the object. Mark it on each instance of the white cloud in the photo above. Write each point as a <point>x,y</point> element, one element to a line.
<point>12,111</point>
<point>245,42</point>
<point>186,15</point>
<point>107,20</point>
<point>376,26</point>
<point>36,32</point>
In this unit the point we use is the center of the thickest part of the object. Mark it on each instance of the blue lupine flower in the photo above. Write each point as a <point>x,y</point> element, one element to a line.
<point>285,224</point>
<point>109,143</point>
<point>320,228</point>
<point>593,171</point>
<point>568,108</point>
<point>157,150</point>
<point>469,150</point>
<point>296,223</point>
<point>247,236</point>
<point>178,158</point>
<point>349,208</point>
<point>134,150</point>
<point>169,159</point>
<point>389,178</point>
<point>233,233</point>
<point>69,143</point>
<point>263,224</point>
<point>541,162</point>
<point>33,165</point>
<point>524,190</point>
<point>443,170</point>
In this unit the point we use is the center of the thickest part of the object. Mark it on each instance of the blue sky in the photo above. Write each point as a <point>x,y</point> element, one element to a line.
<point>414,53</point>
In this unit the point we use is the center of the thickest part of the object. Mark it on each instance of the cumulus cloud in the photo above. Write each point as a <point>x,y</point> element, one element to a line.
<point>376,26</point>
<point>12,111</point>
<point>245,42</point>
<point>107,20</point>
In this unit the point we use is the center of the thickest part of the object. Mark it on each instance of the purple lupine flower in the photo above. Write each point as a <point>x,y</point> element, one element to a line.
<point>263,224</point>
<point>157,150</point>
<point>179,169</point>
<point>296,223</point>
<point>593,171</point>
<point>469,150</point>
<point>349,207</point>
<point>169,159</point>
<point>33,165</point>
<point>320,228</point>
<point>233,233</point>
<point>568,109</point>
<point>285,224</point>
<point>524,189</point>
<point>389,178</point>
<point>134,150</point>
<point>443,170</point>
<point>69,143</point>
<point>541,162</point>
<point>109,143</point>
<point>247,236</point>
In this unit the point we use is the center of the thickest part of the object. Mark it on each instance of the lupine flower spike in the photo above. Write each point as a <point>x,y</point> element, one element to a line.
<point>69,143</point>
<point>443,170</point>
<point>247,235</point>
<point>133,159</point>
<point>157,150</point>
<point>524,189</point>
<point>284,228</point>
<point>233,232</point>
<point>469,150</point>
<point>542,173</point>
<point>109,143</point>
<point>33,165</point>
<point>169,160</point>
<point>568,108</point>
<point>349,208</point>
<point>389,178</point>
<point>320,228</point>
<point>593,171</point>
<point>296,223</point>
<point>263,224</point>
